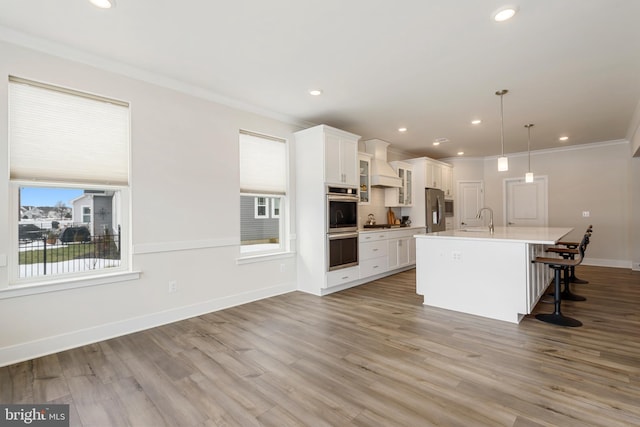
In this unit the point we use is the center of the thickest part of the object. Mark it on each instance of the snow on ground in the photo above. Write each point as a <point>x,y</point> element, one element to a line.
<point>70,266</point>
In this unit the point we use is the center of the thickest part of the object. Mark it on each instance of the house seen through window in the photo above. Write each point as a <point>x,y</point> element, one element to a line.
<point>68,202</point>
<point>263,193</point>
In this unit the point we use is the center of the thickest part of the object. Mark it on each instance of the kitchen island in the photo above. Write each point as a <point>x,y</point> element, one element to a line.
<point>491,275</point>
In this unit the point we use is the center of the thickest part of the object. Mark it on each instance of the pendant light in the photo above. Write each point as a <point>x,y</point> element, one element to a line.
<point>503,162</point>
<point>528,177</point>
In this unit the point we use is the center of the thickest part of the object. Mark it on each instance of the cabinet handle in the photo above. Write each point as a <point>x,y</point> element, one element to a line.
<point>375,266</point>
<point>375,250</point>
<point>345,277</point>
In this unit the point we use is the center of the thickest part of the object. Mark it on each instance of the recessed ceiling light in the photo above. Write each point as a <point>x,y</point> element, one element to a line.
<point>563,138</point>
<point>460,153</point>
<point>504,13</point>
<point>315,92</point>
<point>436,143</point>
<point>104,4</point>
<point>402,129</point>
<point>476,122</point>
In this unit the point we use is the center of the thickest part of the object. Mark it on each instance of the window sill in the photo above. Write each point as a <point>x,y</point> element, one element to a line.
<point>66,284</point>
<point>248,259</point>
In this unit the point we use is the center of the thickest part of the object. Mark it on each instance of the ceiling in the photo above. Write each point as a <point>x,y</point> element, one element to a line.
<point>572,67</point>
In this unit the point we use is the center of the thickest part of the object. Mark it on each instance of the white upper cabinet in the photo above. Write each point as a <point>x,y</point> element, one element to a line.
<point>403,196</point>
<point>434,175</point>
<point>447,181</point>
<point>364,161</point>
<point>439,175</point>
<point>341,159</point>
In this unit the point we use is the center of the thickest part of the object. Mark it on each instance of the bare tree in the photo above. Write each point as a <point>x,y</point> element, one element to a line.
<point>60,209</point>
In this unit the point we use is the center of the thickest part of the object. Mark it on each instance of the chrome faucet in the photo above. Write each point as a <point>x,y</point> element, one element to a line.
<point>491,228</point>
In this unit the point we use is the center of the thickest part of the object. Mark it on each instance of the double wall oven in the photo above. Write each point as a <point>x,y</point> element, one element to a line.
<point>342,227</point>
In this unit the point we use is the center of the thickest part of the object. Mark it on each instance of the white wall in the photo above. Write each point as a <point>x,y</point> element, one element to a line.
<point>184,211</point>
<point>595,178</point>
<point>634,220</point>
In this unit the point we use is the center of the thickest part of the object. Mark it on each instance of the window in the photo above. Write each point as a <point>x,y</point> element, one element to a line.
<point>86,214</point>
<point>275,208</point>
<point>69,175</point>
<point>263,194</point>
<point>261,207</point>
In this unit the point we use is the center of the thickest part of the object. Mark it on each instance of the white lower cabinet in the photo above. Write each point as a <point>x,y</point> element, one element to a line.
<point>381,253</point>
<point>400,250</point>
<point>373,255</point>
<point>388,250</point>
<point>344,275</point>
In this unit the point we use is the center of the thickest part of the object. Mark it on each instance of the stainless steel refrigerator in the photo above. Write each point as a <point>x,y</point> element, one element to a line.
<point>434,199</point>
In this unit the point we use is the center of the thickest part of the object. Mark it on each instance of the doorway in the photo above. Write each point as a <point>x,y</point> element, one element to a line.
<point>526,204</point>
<point>469,201</point>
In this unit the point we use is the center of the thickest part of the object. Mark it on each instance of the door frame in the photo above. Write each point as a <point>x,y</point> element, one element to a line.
<point>457,211</point>
<point>544,179</point>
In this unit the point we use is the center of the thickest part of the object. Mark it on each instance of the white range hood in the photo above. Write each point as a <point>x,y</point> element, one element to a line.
<point>382,174</point>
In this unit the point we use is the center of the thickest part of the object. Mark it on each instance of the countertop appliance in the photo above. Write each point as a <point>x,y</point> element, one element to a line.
<point>435,207</point>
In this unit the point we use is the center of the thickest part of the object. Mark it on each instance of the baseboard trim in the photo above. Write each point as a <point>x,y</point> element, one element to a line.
<point>42,347</point>
<point>602,262</point>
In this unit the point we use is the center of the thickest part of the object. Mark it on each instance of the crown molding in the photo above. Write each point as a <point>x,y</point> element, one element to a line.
<point>48,47</point>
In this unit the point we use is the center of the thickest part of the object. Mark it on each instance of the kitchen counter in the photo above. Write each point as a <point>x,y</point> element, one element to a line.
<point>389,227</point>
<point>534,235</point>
<point>489,275</point>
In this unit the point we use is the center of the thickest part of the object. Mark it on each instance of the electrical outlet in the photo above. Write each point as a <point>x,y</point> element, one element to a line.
<point>586,214</point>
<point>456,256</point>
<point>173,286</point>
<point>283,268</point>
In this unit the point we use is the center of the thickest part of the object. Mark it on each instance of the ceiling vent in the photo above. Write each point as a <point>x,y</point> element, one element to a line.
<point>382,174</point>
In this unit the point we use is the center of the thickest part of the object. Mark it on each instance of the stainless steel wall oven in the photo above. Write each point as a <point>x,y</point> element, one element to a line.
<point>342,227</point>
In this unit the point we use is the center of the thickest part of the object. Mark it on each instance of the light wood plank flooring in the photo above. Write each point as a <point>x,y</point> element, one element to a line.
<point>368,356</point>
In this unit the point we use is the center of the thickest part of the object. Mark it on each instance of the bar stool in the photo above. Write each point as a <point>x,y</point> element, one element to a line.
<point>574,245</point>
<point>559,264</point>
<point>569,252</point>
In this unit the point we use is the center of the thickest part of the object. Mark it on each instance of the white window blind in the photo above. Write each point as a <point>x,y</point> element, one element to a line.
<point>63,136</point>
<point>263,164</point>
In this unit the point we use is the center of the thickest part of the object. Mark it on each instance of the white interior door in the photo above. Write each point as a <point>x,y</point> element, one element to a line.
<point>469,201</point>
<point>526,203</point>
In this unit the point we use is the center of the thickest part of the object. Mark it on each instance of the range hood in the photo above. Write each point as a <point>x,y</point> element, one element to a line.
<point>382,174</point>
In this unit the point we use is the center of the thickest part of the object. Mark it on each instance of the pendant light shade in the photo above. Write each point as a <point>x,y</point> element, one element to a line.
<point>503,164</point>
<point>528,177</point>
<point>503,161</point>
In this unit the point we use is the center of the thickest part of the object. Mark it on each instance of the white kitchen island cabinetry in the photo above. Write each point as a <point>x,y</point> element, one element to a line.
<point>484,274</point>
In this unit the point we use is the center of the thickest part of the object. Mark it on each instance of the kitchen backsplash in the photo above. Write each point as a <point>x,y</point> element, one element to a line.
<point>376,207</point>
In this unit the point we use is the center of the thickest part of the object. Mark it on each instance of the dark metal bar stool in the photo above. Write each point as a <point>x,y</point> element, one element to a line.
<point>569,252</point>
<point>574,245</point>
<point>558,265</point>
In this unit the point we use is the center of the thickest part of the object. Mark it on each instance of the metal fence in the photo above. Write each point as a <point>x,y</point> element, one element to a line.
<point>51,256</point>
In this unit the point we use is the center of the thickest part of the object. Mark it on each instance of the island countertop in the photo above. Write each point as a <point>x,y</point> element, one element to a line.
<point>534,235</point>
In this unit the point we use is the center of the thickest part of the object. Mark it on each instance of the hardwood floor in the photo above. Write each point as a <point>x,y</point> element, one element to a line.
<point>367,356</point>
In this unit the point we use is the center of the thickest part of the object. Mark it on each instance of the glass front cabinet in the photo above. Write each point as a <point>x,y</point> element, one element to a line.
<point>403,196</point>
<point>364,162</point>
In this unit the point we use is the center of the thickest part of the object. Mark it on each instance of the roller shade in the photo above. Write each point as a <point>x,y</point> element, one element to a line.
<point>64,136</point>
<point>263,164</point>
